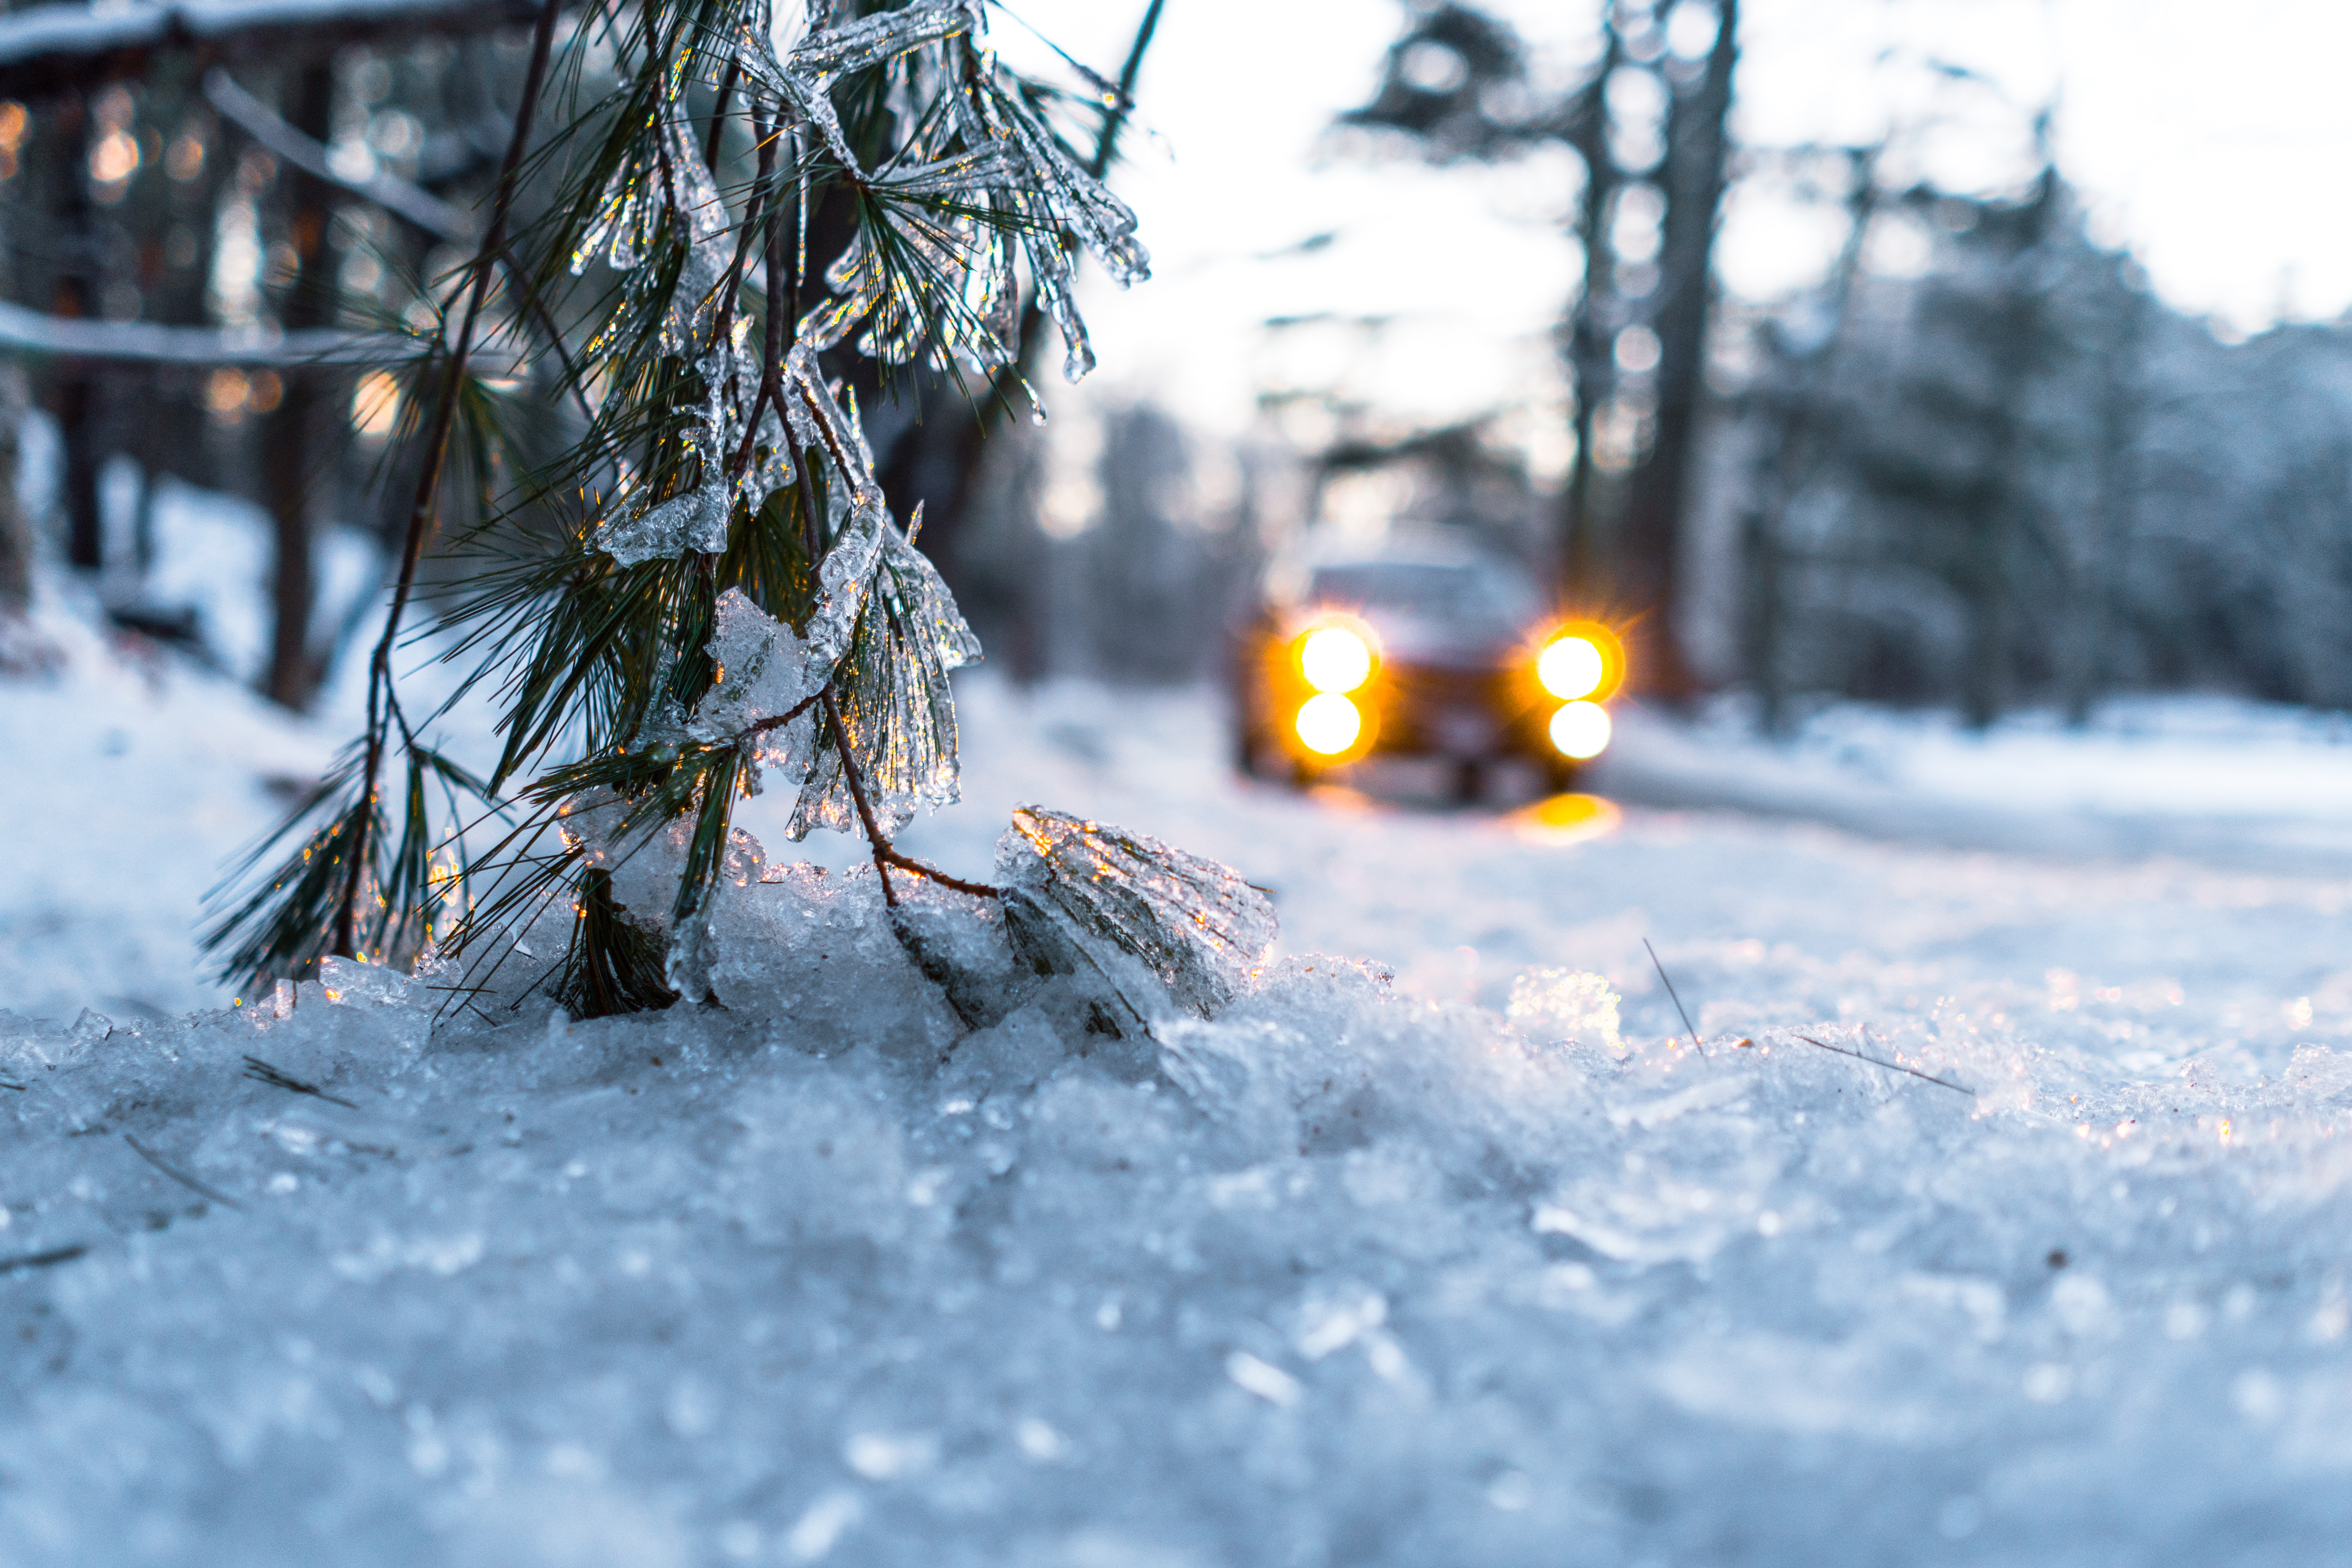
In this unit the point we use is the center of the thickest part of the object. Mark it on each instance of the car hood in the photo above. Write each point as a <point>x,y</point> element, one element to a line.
<point>1420,640</point>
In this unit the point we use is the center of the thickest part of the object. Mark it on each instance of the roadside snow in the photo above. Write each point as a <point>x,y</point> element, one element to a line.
<point>1480,1265</point>
<point>2225,779</point>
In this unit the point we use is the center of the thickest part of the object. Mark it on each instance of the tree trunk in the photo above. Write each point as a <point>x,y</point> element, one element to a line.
<point>299,435</point>
<point>1582,560</point>
<point>15,528</point>
<point>75,395</point>
<point>2119,414</point>
<point>1649,561</point>
<point>1799,421</point>
<point>2007,506</point>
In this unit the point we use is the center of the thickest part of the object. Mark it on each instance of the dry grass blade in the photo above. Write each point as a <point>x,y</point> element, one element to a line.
<point>1676,995</point>
<point>201,1189</point>
<point>49,1260</point>
<point>262,1072</point>
<point>1891,1066</point>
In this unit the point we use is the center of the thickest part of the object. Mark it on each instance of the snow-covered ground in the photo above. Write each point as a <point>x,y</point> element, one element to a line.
<point>2221,780</point>
<point>1435,1268</point>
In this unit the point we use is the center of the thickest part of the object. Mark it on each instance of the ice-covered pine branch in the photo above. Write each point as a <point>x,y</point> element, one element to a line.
<point>733,603</point>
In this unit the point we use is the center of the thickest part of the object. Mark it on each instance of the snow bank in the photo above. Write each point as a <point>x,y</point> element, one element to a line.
<point>1336,1276</point>
<point>1478,1265</point>
<point>128,776</point>
<point>2224,779</point>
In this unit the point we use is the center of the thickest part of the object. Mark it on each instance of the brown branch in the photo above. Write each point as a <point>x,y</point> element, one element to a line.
<point>880,846</point>
<point>428,478</point>
<point>908,863</point>
<point>760,214</point>
<point>778,721</point>
<point>718,115</point>
<point>886,857</point>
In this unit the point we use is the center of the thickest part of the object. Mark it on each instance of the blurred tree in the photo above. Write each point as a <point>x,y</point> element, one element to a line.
<point>118,181</point>
<point>2010,473</point>
<point>304,433</point>
<point>1649,125</point>
<point>939,433</point>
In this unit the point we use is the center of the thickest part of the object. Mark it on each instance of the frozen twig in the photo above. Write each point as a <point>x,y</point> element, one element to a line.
<point>262,1072</point>
<point>11,1085</point>
<point>146,342</point>
<point>1891,1066</point>
<point>200,1188</point>
<point>1678,1001</point>
<point>258,120</point>
<point>886,857</point>
<point>879,844</point>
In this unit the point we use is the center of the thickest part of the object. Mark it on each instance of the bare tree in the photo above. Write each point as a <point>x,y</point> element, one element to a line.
<point>1455,87</point>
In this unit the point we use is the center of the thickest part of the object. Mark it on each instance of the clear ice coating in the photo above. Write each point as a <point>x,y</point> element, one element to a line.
<point>764,670</point>
<point>695,521</point>
<point>1195,924</point>
<point>699,519</point>
<point>895,704</point>
<point>929,274</point>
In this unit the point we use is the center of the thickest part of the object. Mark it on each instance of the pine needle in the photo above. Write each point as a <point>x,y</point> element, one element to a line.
<point>201,1188</point>
<point>49,1260</point>
<point>1891,1066</point>
<point>262,1072</point>
<point>1678,1001</point>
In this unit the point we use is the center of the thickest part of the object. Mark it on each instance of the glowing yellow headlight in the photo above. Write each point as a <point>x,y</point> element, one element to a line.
<point>1334,659</point>
<point>1328,724</point>
<point>1580,729</point>
<point>1571,666</point>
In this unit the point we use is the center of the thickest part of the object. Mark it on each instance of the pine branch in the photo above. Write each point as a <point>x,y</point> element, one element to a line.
<point>379,694</point>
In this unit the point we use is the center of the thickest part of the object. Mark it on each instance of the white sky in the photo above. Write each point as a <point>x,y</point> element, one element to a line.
<point>2212,141</point>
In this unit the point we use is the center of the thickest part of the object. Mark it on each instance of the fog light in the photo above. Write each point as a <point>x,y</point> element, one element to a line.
<point>1328,724</point>
<point>1571,666</point>
<point>1580,729</point>
<point>1334,659</point>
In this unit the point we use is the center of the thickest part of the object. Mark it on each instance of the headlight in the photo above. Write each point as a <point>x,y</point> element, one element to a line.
<point>1328,724</point>
<point>1335,659</point>
<point>1571,666</point>
<point>1580,729</point>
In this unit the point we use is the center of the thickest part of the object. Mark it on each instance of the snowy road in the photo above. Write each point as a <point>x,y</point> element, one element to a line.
<point>1355,1274</point>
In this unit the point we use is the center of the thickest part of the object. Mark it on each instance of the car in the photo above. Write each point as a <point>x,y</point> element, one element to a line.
<point>1419,652</point>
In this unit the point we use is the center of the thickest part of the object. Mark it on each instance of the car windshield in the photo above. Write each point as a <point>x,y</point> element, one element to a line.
<point>1470,598</point>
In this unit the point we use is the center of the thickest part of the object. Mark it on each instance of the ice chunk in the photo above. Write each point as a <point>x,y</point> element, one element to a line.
<point>1195,923</point>
<point>1567,1004</point>
<point>764,670</point>
<point>695,521</point>
<point>895,704</point>
<point>344,979</point>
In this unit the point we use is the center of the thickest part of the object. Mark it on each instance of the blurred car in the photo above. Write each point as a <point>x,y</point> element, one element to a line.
<point>1419,652</point>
